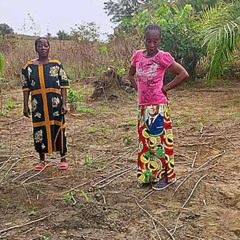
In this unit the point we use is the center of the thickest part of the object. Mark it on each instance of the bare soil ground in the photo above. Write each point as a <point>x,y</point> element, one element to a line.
<point>98,198</point>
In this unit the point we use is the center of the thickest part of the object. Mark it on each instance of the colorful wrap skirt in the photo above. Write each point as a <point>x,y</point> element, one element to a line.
<point>155,148</point>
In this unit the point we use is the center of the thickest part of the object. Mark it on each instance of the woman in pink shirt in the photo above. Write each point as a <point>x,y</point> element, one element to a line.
<point>155,154</point>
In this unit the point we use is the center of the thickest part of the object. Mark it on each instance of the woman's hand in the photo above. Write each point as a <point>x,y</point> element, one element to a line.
<point>26,112</point>
<point>64,109</point>
<point>131,78</point>
<point>164,91</point>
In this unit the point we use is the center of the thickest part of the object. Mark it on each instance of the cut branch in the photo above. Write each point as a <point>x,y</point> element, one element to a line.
<point>197,169</point>
<point>23,225</point>
<point>189,197</point>
<point>154,220</point>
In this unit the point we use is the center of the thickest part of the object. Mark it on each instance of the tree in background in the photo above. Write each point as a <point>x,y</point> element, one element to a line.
<point>122,8</point>
<point>62,35</point>
<point>202,5</point>
<point>5,29</point>
<point>198,5</point>
<point>85,31</point>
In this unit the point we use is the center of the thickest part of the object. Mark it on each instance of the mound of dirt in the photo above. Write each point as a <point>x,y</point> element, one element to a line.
<point>110,85</point>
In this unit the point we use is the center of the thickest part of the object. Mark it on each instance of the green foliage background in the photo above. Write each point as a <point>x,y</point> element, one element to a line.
<point>200,34</point>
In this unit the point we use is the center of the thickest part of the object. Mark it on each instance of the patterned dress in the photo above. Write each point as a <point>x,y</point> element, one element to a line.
<point>155,154</point>
<point>44,82</point>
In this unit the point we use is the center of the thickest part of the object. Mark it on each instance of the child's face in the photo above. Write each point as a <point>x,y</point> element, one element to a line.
<point>42,48</point>
<point>152,41</point>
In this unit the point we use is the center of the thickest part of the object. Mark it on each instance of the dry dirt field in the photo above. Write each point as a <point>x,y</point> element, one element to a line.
<point>98,198</point>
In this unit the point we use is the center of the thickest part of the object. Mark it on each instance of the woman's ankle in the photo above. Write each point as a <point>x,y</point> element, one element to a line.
<point>41,157</point>
<point>63,157</point>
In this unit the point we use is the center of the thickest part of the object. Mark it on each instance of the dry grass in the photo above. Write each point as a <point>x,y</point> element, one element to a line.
<point>81,59</point>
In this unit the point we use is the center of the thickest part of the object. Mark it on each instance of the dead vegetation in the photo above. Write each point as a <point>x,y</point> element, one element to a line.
<point>110,85</point>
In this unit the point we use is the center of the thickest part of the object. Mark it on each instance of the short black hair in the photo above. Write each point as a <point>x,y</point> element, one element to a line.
<point>38,39</point>
<point>155,27</point>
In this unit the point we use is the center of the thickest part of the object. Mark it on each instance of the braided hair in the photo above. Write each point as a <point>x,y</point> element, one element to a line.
<point>38,40</point>
<point>154,27</point>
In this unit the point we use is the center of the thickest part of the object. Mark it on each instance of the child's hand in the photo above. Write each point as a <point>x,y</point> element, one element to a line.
<point>26,112</point>
<point>64,109</point>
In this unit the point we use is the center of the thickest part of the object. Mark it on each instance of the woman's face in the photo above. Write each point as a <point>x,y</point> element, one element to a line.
<point>152,41</point>
<point>42,48</point>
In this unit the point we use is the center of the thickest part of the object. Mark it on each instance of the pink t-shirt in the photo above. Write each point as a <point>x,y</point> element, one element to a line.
<point>149,75</point>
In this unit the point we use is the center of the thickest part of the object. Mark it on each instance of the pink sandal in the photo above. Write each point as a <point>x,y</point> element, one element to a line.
<point>63,166</point>
<point>40,166</point>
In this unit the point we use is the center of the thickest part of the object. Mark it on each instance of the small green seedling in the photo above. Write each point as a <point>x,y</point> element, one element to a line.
<point>92,164</point>
<point>10,103</point>
<point>85,196</point>
<point>127,139</point>
<point>69,198</point>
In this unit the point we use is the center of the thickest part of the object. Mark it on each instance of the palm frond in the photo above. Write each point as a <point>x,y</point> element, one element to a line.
<point>222,31</point>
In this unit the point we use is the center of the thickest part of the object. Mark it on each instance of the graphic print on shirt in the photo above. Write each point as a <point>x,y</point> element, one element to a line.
<point>147,72</point>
